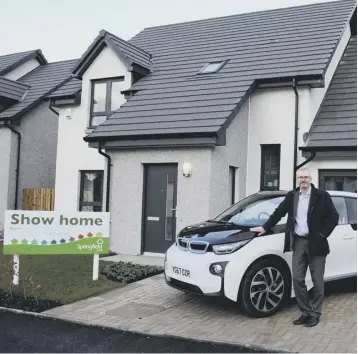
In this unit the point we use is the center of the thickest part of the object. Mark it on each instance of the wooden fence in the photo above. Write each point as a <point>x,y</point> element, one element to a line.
<point>39,199</point>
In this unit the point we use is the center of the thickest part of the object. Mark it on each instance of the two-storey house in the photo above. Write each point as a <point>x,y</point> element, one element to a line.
<point>173,126</point>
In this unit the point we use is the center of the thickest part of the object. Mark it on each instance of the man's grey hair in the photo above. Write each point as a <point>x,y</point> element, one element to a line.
<point>304,169</point>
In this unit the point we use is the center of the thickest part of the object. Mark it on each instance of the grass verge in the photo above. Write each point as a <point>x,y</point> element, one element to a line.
<point>62,278</point>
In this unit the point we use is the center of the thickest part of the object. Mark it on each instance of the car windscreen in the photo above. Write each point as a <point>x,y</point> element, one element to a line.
<point>252,211</point>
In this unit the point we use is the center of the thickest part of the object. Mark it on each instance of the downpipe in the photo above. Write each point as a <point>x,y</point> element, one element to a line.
<point>295,144</point>
<point>17,161</point>
<point>313,153</point>
<point>109,164</point>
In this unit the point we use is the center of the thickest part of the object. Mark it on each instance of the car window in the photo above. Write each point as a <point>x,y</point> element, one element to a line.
<point>352,210</point>
<point>257,213</point>
<point>340,204</point>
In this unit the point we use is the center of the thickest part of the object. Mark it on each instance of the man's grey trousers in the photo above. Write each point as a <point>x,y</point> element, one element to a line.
<point>300,262</point>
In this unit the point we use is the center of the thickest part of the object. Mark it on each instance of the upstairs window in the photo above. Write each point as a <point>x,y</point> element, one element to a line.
<point>106,98</point>
<point>212,67</point>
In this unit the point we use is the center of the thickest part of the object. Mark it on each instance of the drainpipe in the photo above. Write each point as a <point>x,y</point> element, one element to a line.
<point>296,133</point>
<point>313,155</point>
<point>108,173</point>
<point>54,111</point>
<point>17,161</point>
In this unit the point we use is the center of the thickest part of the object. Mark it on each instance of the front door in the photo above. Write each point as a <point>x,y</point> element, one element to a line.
<point>160,192</point>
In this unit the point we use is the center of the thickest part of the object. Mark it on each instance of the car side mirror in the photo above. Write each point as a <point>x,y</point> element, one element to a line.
<point>354,226</point>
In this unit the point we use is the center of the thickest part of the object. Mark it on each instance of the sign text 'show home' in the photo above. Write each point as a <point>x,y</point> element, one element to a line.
<point>50,232</point>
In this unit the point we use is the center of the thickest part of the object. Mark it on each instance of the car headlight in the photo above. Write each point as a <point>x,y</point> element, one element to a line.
<point>226,248</point>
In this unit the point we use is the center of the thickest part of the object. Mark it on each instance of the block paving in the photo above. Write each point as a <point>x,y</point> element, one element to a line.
<point>150,306</point>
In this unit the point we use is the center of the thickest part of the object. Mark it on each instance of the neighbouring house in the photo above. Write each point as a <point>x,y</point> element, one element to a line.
<point>28,126</point>
<point>173,126</point>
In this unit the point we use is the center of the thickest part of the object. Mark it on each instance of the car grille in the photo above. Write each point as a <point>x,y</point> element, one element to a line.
<point>193,246</point>
<point>185,286</point>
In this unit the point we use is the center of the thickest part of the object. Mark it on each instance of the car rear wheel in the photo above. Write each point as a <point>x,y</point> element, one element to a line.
<point>265,288</point>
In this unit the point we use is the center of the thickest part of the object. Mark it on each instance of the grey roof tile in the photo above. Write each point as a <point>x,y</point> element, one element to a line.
<point>12,90</point>
<point>287,42</point>
<point>11,61</point>
<point>336,123</point>
<point>133,53</point>
<point>41,81</point>
<point>127,52</point>
<point>68,89</point>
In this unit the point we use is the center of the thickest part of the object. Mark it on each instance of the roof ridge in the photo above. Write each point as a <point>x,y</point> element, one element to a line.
<point>24,52</point>
<point>106,33</point>
<point>288,8</point>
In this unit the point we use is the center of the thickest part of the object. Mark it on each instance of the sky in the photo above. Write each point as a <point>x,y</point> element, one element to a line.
<point>63,29</point>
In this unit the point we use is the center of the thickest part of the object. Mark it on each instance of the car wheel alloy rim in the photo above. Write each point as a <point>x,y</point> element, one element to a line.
<point>267,288</point>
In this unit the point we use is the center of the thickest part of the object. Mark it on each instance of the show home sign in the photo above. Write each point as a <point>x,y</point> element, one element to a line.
<point>50,232</point>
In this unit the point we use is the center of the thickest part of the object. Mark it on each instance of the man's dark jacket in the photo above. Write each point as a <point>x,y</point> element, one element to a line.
<point>322,218</point>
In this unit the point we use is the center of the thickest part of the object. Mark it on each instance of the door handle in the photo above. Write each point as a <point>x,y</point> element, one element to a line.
<point>347,237</point>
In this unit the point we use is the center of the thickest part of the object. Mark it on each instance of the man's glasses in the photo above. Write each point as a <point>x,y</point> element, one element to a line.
<point>303,177</point>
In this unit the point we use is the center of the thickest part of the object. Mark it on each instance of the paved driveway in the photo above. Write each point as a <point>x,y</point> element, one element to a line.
<point>150,306</point>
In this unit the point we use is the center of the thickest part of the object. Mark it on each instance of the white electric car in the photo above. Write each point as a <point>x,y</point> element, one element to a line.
<point>222,257</point>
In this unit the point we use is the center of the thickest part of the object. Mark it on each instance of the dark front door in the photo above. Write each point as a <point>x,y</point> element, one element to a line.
<point>160,191</point>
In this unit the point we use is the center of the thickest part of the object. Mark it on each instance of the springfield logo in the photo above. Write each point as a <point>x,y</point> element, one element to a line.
<point>94,246</point>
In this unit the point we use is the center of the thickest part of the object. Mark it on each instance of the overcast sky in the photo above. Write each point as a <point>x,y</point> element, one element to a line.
<point>63,29</point>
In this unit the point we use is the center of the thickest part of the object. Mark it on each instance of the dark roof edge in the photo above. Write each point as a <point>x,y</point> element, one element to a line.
<point>128,63</point>
<point>18,83</point>
<point>324,98</point>
<point>130,44</point>
<point>159,137</point>
<point>35,103</point>
<point>98,44</point>
<point>88,56</point>
<point>327,148</point>
<point>347,25</point>
<point>36,54</point>
<point>63,96</point>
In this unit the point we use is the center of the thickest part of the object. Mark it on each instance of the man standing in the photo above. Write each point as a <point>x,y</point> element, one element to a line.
<point>311,219</point>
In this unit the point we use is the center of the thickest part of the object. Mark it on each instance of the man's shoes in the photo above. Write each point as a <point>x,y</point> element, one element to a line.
<point>313,321</point>
<point>302,320</point>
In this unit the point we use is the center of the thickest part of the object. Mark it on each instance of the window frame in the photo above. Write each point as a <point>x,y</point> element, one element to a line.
<point>221,62</point>
<point>232,170</point>
<point>108,102</point>
<point>349,211</point>
<point>322,173</point>
<point>82,177</point>
<point>334,197</point>
<point>276,147</point>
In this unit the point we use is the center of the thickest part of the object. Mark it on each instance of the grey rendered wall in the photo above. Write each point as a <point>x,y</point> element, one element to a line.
<point>233,154</point>
<point>39,130</point>
<point>127,192</point>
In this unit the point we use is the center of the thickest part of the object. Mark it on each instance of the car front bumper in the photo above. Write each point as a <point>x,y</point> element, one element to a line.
<point>191,272</point>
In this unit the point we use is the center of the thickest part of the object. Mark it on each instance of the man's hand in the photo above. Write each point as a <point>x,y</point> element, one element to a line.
<point>260,230</point>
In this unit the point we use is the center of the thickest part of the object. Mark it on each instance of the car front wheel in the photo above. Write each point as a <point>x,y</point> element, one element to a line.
<point>265,288</point>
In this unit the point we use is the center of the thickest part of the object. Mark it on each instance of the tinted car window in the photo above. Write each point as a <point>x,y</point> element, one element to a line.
<point>352,210</point>
<point>340,204</point>
<point>255,213</point>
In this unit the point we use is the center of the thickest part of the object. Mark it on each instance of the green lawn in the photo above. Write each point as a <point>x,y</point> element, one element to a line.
<point>64,278</point>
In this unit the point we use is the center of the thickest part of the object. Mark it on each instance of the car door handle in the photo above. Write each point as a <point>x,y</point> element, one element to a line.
<point>347,237</point>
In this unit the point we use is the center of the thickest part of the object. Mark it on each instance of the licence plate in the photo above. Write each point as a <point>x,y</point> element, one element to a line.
<point>181,271</point>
